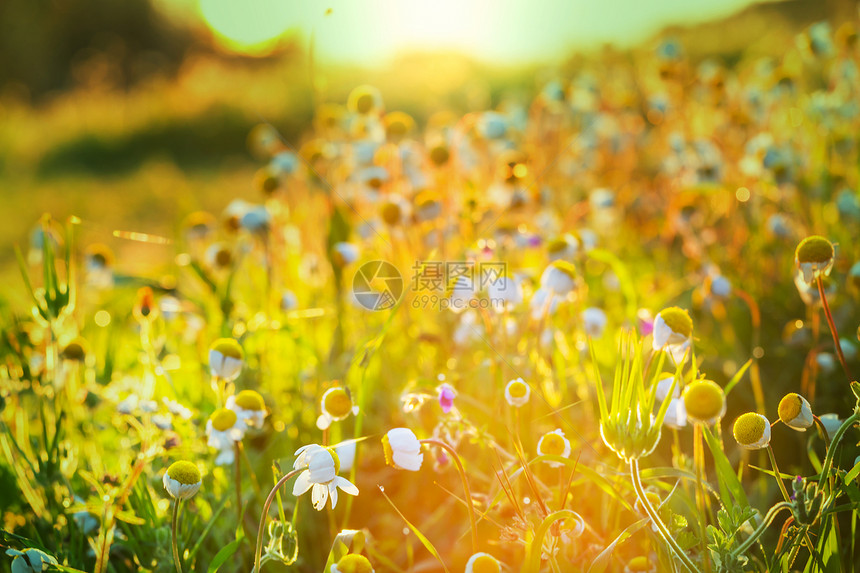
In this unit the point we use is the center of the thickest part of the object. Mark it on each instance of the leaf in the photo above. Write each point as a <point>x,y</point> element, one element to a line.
<point>424,541</point>
<point>737,377</point>
<point>226,553</point>
<point>347,541</point>
<point>601,562</point>
<point>726,476</point>
<point>853,473</point>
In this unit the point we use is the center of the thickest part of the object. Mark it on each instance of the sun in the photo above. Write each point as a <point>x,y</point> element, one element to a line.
<point>251,27</point>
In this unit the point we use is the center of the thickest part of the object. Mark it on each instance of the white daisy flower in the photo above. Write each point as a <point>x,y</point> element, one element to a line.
<point>336,405</point>
<point>554,444</point>
<point>796,413</point>
<point>560,277</point>
<point>752,431</point>
<point>594,320</point>
<point>320,475</point>
<point>223,430</point>
<point>517,393</point>
<point>249,407</point>
<point>402,449</point>
<point>676,414</point>
<point>483,563</point>
<point>673,331</point>
<point>226,359</point>
<point>182,480</point>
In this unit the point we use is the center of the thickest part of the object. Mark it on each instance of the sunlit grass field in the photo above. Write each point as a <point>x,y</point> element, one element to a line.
<point>599,319</point>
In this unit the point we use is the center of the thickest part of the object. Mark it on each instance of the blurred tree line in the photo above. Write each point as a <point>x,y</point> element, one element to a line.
<point>51,45</point>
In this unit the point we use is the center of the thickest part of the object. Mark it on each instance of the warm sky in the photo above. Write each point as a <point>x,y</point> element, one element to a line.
<point>373,31</point>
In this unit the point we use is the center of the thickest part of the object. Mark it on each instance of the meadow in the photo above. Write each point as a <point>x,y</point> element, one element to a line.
<point>609,324</point>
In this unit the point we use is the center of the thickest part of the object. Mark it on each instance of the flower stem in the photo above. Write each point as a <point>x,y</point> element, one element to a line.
<point>472,520</point>
<point>534,554</point>
<point>768,519</point>
<point>175,534</point>
<point>238,477</point>
<point>655,518</point>
<point>266,506</point>
<point>699,464</point>
<point>832,326</point>
<point>777,474</point>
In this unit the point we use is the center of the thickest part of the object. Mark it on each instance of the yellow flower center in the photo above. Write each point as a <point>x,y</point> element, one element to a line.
<point>228,347</point>
<point>223,258</point>
<point>76,350</point>
<point>790,407</point>
<point>439,155</point>
<point>517,389</point>
<point>552,444</point>
<point>184,472</point>
<point>557,246</point>
<point>678,320</point>
<point>223,419</point>
<point>354,563</point>
<point>250,400</point>
<point>391,213</point>
<point>749,428</point>
<point>337,403</point>
<point>364,103</point>
<point>565,267</point>
<point>704,400</point>
<point>639,564</point>
<point>486,564</point>
<point>814,249</point>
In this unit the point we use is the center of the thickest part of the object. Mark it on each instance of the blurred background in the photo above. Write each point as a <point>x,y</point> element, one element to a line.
<point>132,114</point>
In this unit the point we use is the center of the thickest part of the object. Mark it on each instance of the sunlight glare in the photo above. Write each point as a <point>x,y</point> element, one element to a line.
<point>252,27</point>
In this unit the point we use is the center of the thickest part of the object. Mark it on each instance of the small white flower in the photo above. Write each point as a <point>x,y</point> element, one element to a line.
<point>663,387</point>
<point>676,414</point>
<point>560,277</point>
<point>505,293</point>
<point>752,431</point>
<point>831,423</point>
<point>402,449</point>
<point>226,359</point>
<point>177,409</point>
<point>554,444</point>
<point>517,393</point>
<point>336,405</point>
<point>673,331</point>
<point>345,253</point>
<point>163,421</point>
<point>320,476</point>
<point>483,563</point>
<point>795,412</point>
<point>594,320</point>
<point>182,480</point>
<point>249,407</point>
<point>223,430</point>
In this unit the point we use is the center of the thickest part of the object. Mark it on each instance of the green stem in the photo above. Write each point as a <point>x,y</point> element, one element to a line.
<point>699,465</point>
<point>837,437</point>
<point>470,506</point>
<point>536,547</point>
<point>238,477</point>
<point>832,326</point>
<point>174,530</point>
<point>655,518</point>
<point>777,474</point>
<point>266,506</point>
<point>768,519</point>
